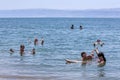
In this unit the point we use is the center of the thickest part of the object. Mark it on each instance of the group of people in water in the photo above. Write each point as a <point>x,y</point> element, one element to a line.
<point>100,55</point>
<point>72,27</point>
<point>36,41</point>
<point>86,58</point>
<point>22,47</point>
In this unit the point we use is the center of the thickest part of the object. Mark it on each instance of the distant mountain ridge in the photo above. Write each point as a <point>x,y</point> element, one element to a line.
<point>92,13</point>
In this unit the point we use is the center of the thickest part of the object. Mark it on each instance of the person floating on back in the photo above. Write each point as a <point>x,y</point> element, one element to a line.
<point>84,60</point>
<point>98,42</point>
<point>86,57</point>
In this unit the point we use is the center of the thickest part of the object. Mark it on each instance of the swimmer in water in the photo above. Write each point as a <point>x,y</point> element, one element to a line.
<point>98,42</point>
<point>42,41</point>
<point>22,47</point>
<point>101,58</point>
<point>85,58</point>
<point>11,51</point>
<point>33,51</point>
<point>72,27</point>
<point>35,41</point>
<point>81,27</point>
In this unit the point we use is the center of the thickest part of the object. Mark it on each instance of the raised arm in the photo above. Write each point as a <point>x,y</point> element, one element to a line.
<point>92,53</point>
<point>96,50</point>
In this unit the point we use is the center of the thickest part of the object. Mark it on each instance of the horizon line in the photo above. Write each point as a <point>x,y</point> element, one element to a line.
<point>55,17</point>
<point>58,9</point>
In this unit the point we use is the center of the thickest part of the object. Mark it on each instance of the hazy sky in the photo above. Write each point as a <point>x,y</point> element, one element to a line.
<point>58,4</point>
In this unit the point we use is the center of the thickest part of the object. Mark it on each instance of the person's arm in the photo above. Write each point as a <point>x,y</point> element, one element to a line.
<point>102,63</point>
<point>96,50</point>
<point>92,53</point>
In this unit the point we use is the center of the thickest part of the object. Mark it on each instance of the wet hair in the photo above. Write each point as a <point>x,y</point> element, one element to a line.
<point>101,54</point>
<point>83,53</point>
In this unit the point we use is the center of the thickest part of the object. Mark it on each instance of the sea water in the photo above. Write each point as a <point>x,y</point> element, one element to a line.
<point>60,43</point>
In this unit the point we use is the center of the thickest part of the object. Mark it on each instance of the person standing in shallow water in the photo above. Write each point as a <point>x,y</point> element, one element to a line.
<point>22,47</point>
<point>35,41</point>
<point>42,41</point>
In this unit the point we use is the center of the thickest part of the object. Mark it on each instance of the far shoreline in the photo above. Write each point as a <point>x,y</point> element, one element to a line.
<point>64,17</point>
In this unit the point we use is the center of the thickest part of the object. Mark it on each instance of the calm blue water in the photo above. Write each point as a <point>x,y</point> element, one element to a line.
<point>60,43</point>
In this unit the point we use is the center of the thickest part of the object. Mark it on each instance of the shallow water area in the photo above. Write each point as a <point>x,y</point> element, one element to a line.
<point>60,43</point>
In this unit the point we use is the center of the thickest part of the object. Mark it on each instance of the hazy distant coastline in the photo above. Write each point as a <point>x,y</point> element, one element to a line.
<point>92,13</point>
